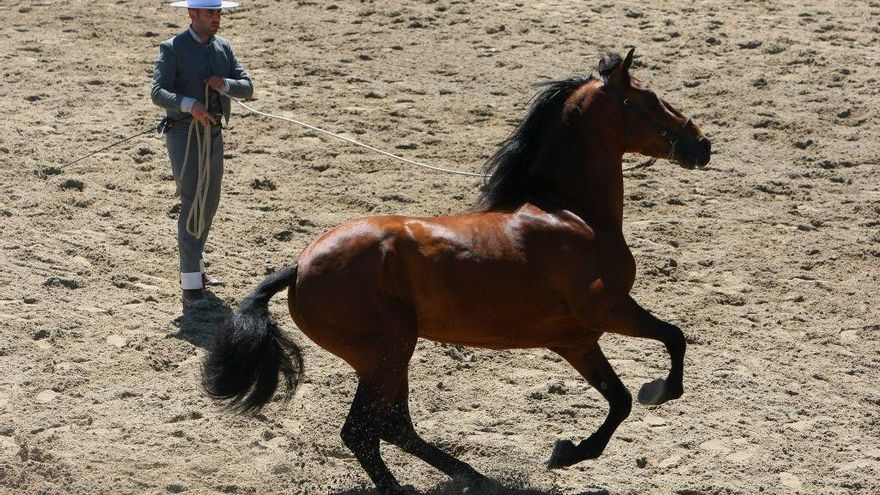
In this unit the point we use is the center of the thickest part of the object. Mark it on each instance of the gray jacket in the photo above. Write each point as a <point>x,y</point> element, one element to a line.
<point>182,67</point>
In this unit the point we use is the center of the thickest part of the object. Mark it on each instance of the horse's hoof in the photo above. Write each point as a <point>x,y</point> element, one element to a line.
<point>564,453</point>
<point>657,392</point>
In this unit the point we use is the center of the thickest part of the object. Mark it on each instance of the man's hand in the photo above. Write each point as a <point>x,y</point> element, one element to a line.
<point>217,84</point>
<point>200,113</point>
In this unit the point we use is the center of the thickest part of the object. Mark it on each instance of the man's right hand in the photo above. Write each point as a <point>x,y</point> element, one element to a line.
<point>200,113</point>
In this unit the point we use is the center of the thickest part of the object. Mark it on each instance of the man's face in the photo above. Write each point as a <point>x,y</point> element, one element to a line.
<point>206,21</point>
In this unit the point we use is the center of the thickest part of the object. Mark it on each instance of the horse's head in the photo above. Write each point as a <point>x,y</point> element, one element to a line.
<point>652,126</point>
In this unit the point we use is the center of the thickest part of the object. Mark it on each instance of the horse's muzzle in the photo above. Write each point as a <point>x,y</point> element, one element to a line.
<point>694,153</point>
<point>704,151</point>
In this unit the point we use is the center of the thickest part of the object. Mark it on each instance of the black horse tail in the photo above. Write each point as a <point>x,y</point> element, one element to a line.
<point>250,351</point>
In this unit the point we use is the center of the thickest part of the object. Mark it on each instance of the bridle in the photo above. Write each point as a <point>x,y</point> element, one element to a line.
<point>671,138</point>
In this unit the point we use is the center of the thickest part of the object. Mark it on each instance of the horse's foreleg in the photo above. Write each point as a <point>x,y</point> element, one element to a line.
<point>628,318</point>
<point>592,365</point>
<point>398,430</point>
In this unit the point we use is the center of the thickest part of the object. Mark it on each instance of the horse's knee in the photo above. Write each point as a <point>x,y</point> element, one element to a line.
<point>674,340</point>
<point>619,401</point>
<point>621,404</point>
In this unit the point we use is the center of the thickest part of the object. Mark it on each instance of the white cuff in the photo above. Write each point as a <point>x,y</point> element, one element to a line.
<point>189,281</point>
<point>186,104</point>
<point>202,265</point>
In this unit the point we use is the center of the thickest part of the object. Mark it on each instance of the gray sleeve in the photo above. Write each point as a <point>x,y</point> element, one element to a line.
<point>163,79</point>
<point>239,82</point>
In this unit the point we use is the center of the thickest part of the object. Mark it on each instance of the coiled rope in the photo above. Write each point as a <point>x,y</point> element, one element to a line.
<point>195,219</point>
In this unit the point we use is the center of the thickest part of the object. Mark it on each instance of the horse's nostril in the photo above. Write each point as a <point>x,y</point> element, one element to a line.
<point>707,146</point>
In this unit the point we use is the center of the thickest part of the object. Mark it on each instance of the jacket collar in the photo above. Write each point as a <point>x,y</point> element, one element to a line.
<point>197,39</point>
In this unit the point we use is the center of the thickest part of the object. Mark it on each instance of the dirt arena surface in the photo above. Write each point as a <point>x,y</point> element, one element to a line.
<point>769,259</point>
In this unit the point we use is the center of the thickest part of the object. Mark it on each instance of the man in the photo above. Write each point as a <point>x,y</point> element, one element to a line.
<point>186,64</point>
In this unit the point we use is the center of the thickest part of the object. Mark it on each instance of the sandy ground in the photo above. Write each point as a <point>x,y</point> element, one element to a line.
<point>769,258</point>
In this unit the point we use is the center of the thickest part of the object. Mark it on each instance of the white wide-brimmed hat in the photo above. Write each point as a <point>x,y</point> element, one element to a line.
<point>205,4</point>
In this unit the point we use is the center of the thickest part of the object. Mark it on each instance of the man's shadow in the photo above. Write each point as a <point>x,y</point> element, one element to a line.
<point>199,323</point>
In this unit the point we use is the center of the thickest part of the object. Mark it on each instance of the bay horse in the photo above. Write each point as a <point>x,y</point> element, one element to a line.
<point>542,262</point>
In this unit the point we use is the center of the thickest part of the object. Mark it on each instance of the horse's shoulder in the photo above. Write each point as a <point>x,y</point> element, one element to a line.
<point>557,221</point>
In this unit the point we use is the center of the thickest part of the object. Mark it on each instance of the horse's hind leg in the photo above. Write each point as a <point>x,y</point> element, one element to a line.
<point>398,430</point>
<point>628,318</point>
<point>592,365</point>
<point>381,371</point>
<point>360,434</point>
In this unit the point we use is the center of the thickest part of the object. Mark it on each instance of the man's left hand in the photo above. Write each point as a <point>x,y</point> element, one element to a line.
<point>217,84</point>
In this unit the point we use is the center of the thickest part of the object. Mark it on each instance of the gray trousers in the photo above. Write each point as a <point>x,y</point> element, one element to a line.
<point>191,248</point>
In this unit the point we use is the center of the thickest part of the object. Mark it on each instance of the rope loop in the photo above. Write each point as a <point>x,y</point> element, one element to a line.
<point>195,219</point>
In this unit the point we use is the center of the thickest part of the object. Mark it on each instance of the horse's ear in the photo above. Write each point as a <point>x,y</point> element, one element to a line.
<point>614,69</point>
<point>627,62</point>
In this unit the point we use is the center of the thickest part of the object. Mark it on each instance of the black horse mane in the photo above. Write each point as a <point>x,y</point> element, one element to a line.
<point>508,184</point>
<point>507,170</point>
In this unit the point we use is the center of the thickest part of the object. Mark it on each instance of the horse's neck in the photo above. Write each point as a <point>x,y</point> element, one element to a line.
<point>589,182</point>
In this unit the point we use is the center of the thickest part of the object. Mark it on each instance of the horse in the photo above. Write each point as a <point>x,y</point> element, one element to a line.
<point>541,262</point>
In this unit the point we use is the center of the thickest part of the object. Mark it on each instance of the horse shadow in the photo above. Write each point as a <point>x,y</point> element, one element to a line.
<point>198,324</point>
<point>453,488</point>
